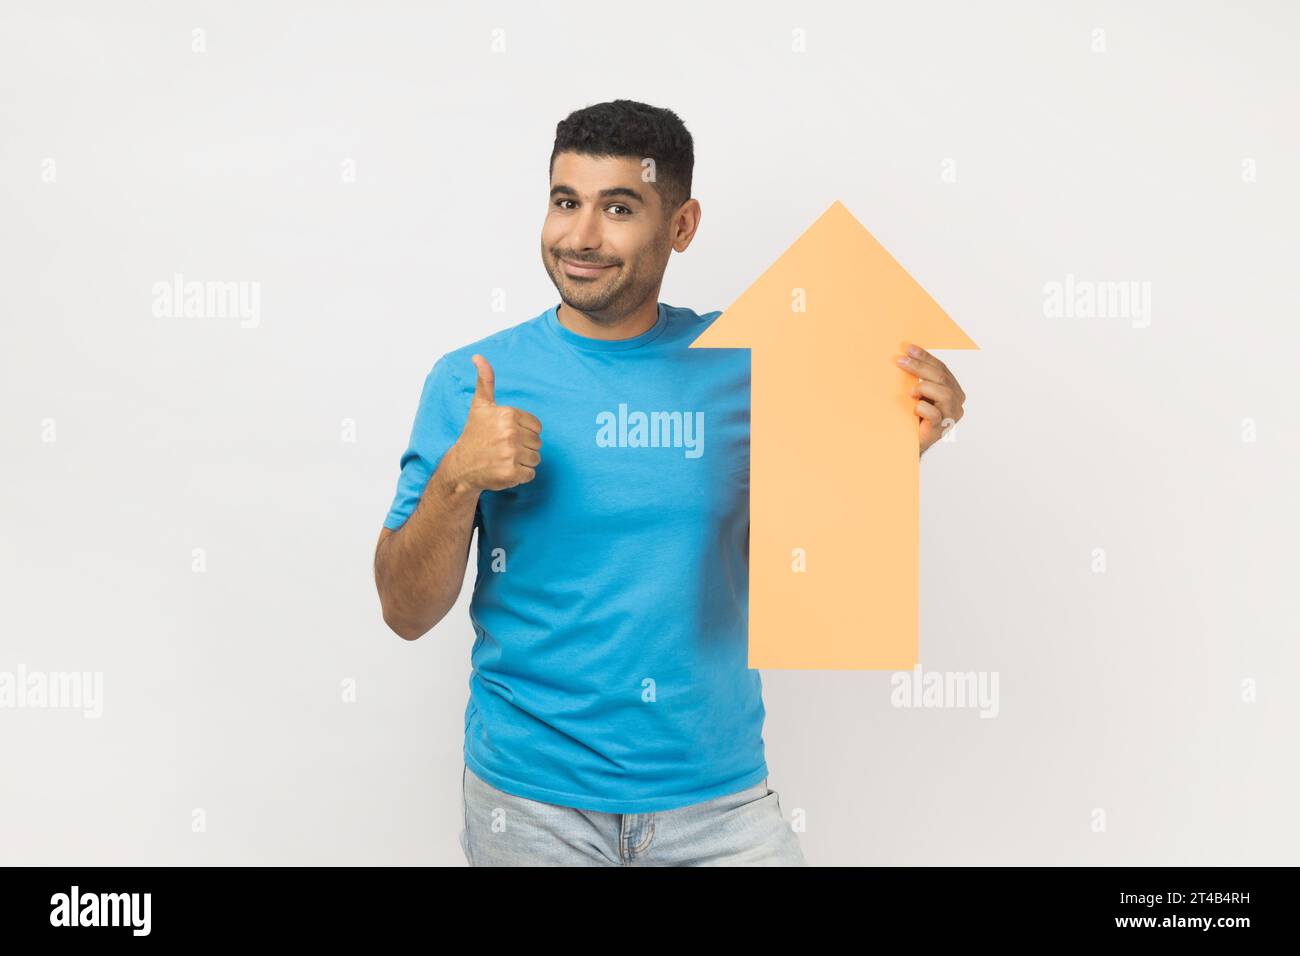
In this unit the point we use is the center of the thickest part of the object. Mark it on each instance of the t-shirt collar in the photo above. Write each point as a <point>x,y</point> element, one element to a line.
<point>606,345</point>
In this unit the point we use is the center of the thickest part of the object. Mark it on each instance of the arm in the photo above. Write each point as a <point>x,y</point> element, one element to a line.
<point>420,567</point>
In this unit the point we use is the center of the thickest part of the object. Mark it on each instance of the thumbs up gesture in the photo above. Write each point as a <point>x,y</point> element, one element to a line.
<point>499,447</point>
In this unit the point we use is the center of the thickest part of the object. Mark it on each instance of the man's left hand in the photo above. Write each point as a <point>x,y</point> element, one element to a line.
<point>939,396</point>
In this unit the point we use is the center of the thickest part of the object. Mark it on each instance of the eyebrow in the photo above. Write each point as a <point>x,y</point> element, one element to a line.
<point>612,192</point>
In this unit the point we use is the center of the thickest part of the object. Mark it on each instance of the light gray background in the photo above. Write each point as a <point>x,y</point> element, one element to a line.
<point>222,691</point>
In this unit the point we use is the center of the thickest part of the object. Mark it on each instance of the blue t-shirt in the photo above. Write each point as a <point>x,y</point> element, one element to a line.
<point>609,668</point>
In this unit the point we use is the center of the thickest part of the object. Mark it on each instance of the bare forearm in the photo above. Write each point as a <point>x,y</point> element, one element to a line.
<point>420,568</point>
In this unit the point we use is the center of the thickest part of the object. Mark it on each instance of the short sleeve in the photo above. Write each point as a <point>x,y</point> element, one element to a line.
<point>439,419</point>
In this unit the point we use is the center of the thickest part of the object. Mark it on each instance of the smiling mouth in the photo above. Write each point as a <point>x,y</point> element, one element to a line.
<point>583,269</point>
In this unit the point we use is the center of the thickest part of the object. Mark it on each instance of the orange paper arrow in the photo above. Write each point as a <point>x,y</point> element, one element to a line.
<point>834,555</point>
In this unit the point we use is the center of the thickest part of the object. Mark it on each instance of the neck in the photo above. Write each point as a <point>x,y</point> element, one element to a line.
<point>636,322</point>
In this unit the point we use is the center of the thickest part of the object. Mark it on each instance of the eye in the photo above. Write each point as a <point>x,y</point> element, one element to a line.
<point>561,202</point>
<point>621,206</point>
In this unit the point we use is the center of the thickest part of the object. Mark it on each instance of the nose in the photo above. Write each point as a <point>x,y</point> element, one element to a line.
<point>586,230</point>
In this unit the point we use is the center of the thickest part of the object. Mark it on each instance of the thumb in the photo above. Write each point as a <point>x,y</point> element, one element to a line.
<point>485,387</point>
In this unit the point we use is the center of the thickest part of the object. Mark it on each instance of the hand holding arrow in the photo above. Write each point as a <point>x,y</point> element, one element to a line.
<point>941,397</point>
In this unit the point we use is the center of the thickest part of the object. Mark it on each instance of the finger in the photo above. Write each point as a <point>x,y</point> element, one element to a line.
<point>528,439</point>
<point>925,431</point>
<point>947,377</point>
<point>923,369</point>
<point>523,473</point>
<point>941,395</point>
<point>930,413</point>
<point>925,356</point>
<point>528,457</point>
<point>485,389</point>
<point>528,421</point>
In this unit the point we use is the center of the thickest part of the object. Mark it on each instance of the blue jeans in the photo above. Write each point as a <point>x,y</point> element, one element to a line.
<point>745,828</point>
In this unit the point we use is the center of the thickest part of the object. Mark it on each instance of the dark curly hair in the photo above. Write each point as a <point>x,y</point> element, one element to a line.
<point>629,128</point>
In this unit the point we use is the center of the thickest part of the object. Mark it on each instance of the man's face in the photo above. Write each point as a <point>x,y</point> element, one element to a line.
<point>605,239</point>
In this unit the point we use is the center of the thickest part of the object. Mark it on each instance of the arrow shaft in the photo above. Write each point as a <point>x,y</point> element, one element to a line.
<point>834,512</point>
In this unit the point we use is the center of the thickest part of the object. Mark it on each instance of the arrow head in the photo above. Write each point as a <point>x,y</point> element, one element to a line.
<point>836,284</point>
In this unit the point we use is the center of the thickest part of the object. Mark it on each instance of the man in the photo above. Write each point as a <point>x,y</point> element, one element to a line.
<point>612,716</point>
